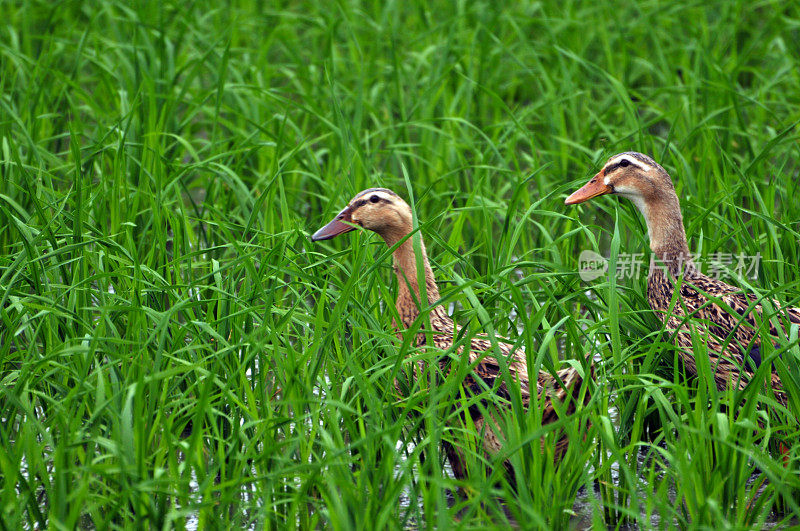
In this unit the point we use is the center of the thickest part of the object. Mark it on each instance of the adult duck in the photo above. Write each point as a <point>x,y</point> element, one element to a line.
<point>382,211</point>
<point>726,316</point>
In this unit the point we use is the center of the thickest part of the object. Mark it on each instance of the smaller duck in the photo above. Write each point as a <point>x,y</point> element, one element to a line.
<point>382,211</point>
<point>726,315</point>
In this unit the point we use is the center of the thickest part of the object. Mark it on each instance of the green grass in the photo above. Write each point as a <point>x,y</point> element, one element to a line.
<point>176,351</point>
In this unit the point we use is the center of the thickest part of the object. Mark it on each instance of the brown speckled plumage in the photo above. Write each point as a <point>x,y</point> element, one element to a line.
<point>383,212</point>
<point>728,329</point>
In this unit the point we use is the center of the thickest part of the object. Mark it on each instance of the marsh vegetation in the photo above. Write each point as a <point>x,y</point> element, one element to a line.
<point>175,349</point>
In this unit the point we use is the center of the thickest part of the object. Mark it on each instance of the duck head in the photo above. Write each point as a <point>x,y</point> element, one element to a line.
<point>632,175</point>
<point>642,180</point>
<point>377,209</point>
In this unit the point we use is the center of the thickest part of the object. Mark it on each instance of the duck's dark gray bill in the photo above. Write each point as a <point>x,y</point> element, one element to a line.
<point>334,228</point>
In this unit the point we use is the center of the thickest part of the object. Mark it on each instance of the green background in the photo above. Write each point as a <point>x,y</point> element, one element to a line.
<point>176,352</point>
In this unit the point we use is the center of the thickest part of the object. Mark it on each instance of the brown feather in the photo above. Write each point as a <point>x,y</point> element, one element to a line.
<point>729,329</point>
<point>390,217</point>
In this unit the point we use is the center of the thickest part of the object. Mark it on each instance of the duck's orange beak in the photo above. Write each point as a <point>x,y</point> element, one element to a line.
<point>589,190</point>
<point>335,227</point>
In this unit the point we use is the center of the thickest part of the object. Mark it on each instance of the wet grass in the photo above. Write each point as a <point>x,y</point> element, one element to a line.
<point>175,351</point>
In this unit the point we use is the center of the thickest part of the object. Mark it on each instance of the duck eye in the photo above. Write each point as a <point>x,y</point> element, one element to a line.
<point>374,199</point>
<point>624,163</point>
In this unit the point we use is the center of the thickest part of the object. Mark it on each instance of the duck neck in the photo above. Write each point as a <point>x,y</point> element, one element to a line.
<point>408,280</point>
<point>667,235</point>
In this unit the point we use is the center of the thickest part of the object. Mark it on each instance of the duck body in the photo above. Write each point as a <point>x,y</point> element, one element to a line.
<point>729,330</point>
<point>725,317</point>
<point>384,212</point>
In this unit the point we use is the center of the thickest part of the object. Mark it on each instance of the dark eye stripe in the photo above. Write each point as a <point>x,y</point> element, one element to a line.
<point>620,165</point>
<point>362,202</point>
<point>362,193</point>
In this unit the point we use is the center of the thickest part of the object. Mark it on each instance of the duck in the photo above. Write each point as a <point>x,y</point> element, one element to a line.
<point>726,317</point>
<point>384,212</point>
